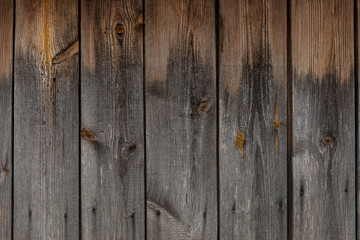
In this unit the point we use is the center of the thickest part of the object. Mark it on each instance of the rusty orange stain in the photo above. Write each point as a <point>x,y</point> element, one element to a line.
<point>239,141</point>
<point>276,125</point>
<point>46,39</point>
<point>87,135</point>
<point>6,170</point>
<point>140,19</point>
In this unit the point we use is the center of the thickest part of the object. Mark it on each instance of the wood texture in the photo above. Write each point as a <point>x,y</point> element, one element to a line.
<point>323,145</point>
<point>46,121</point>
<point>253,120</point>
<point>6,64</point>
<point>181,111</point>
<point>113,198</point>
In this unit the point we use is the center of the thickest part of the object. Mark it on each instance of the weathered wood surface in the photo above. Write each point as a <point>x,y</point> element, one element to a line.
<point>323,146</point>
<point>112,187</point>
<point>180,66</point>
<point>46,121</point>
<point>253,119</point>
<point>151,173</point>
<point>6,65</point>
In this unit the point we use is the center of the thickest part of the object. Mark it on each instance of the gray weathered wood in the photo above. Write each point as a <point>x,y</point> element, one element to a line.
<point>6,62</point>
<point>253,120</point>
<point>323,146</point>
<point>181,113</point>
<point>112,155</point>
<point>46,121</point>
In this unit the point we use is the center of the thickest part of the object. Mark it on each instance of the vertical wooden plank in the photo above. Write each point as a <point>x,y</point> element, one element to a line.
<point>6,63</point>
<point>46,122</point>
<point>180,62</point>
<point>253,119</point>
<point>112,181</point>
<point>323,146</point>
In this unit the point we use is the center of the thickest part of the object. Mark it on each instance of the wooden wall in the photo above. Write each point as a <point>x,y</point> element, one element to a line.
<point>179,119</point>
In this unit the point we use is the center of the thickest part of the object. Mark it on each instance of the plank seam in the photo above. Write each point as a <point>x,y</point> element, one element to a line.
<point>217,62</point>
<point>289,121</point>
<point>356,58</point>
<point>144,120</point>
<point>13,123</point>
<point>80,112</point>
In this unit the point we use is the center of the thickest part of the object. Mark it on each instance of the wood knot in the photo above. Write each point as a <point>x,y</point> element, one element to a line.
<point>301,190</point>
<point>119,29</point>
<point>276,125</point>
<point>131,147</point>
<point>203,108</point>
<point>6,170</point>
<point>87,135</point>
<point>327,140</point>
<point>239,141</point>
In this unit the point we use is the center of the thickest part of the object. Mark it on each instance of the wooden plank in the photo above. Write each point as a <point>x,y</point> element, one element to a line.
<point>323,147</point>
<point>113,191</point>
<point>253,119</point>
<point>46,121</point>
<point>180,63</point>
<point>6,71</point>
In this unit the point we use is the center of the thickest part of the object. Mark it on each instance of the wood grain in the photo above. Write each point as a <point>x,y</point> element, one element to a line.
<point>46,121</point>
<point>6,84</point>
<point>180,63</point>
<point>112,146</point>
<point>253,120</point>
<point>323,146</point>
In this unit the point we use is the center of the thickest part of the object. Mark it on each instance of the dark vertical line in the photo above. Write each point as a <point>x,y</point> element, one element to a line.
<point>217,42</point>
<point>356,78</point>
<point>80,112</point>
<point>144,119</point>
<point>13,123</point>
<point>289,123</point>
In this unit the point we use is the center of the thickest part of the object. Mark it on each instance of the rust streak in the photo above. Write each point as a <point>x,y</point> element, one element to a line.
<point>239,141</point>
<point>140,19</point>
<point>87,135</point>
<point>46,39</point>
<point>276,125</point>
<point>67,53</point>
